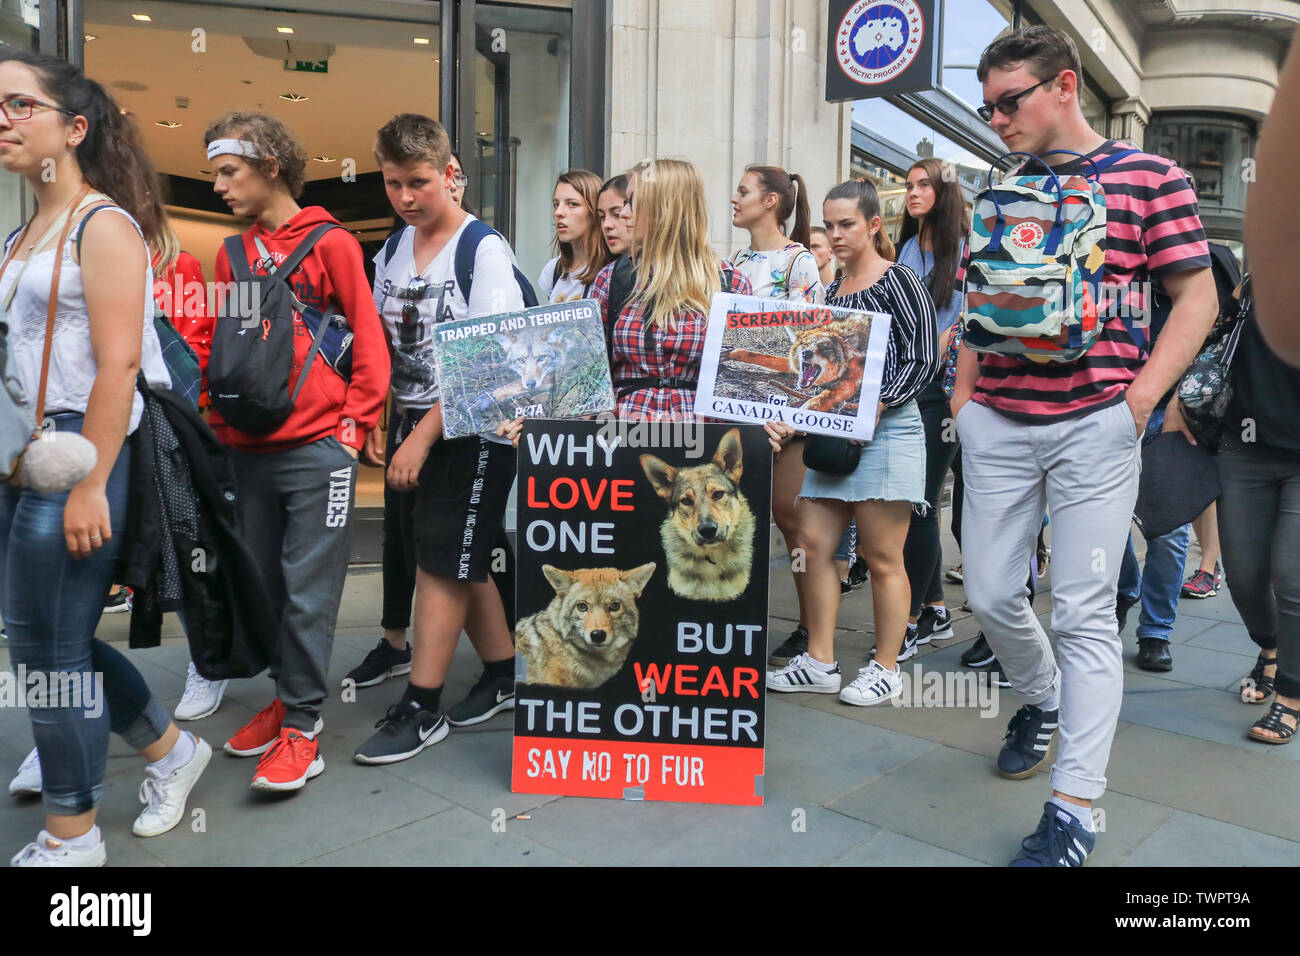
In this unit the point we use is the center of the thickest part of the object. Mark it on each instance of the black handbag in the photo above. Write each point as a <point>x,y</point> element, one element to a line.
<point>831,455</point>
<point>1205,390</point>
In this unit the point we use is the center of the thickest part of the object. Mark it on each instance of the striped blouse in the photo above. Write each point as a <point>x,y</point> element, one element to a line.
<point>912,353</point>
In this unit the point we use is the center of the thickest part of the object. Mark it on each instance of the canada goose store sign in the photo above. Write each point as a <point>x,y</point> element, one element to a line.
<point>641,644</point>
<point>882,47</point>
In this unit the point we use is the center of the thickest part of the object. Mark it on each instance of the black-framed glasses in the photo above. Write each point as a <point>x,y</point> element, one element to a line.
<point>460,180</point>
<point>19,108</point>
<point>1008,105</point>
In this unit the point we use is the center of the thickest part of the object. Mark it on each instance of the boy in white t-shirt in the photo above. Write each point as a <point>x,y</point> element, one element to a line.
<point>454,526</point>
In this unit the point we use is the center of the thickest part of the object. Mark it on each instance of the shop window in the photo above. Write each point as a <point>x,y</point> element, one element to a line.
<point>1213,150</point>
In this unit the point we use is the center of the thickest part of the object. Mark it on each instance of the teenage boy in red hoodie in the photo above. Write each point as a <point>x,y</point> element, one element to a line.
<point>297,481</point>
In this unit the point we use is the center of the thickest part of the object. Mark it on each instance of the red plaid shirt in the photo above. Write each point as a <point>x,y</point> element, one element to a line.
<point>676,352</point>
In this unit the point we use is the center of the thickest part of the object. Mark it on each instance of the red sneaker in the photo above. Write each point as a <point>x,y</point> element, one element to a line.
<point>258,734</point>
<point>1201,585</point>
<point>292,760</point>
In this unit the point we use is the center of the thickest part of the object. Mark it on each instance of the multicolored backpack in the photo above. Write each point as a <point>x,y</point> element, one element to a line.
<point>1037,255</point>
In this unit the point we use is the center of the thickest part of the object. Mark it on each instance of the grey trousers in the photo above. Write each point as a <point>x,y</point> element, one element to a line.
<point>295,507</point>
<point>1086,471</point>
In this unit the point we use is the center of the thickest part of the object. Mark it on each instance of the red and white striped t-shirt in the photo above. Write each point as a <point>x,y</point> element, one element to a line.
<point>1153,228</point>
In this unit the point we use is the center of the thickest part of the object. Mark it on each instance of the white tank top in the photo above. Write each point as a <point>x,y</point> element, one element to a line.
<point>72,360</point>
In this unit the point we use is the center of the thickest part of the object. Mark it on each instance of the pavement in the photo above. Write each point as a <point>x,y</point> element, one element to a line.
<point>845,786</point>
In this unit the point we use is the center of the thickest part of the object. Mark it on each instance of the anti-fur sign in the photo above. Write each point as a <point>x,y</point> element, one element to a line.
<point>642,604</point>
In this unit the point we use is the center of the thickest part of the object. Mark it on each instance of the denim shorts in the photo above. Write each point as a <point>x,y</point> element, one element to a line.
<point>892,467</point>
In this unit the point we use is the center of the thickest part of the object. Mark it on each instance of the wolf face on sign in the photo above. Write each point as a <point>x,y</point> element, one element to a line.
<point>829,357</point>
<point>708,535</point>
<point>583,636</point>
<point>534,354</point>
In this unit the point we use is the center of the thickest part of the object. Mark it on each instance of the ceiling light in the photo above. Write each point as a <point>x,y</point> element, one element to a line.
<point>294,97</point>
<point>284,29</point>
<point>322,159</point>
<point>90,37</point>
<point>168,124</point>
<point>142,17</point>
<point>421,41</point>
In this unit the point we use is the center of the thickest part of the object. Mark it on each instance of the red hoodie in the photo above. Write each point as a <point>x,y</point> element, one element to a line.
<point>332,274</point>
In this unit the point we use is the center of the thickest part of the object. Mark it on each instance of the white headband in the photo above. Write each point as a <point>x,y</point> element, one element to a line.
<point>233,147</point>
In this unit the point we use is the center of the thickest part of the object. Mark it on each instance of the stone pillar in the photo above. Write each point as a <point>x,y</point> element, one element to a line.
<point>1128,120</point>
<point>725,83</point>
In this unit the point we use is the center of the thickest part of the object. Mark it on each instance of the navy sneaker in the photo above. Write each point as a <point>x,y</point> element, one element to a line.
<point>403,732</point>
<point>1060,840</point>
<point>487,698</point>
<point>1029,735</point>
<point>380,664</point>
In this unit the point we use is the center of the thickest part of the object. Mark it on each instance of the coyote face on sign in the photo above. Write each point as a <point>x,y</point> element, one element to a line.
<point>534,354</point>
<point>830,357</point>
<point>583,636</point>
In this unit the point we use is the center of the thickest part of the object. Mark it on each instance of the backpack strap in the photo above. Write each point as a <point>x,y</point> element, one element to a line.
<point>463,267</point>
<point>391,244</point>
<point>237,257</point>
<point>300,253</point>
<point>81,227</point>
<point>1108,161</point>
<point>316,340</point>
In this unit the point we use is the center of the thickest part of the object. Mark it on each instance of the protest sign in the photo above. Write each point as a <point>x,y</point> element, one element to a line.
<point>814,367</point>
<point>546,362</point>
<point>642,597</point>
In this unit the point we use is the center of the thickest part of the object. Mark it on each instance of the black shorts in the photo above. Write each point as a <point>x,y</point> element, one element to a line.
<point>460,505</point>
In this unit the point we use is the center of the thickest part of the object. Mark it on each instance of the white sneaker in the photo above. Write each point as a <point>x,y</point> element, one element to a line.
<point>873,685</point>
<point>50,851</point>
<point>28,778</point>
<point>164,796</point>
<point>801,675</point>
<point>202,697</point>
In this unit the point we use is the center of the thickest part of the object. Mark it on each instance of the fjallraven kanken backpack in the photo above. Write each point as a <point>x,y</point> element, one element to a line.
<point>1037,255</point>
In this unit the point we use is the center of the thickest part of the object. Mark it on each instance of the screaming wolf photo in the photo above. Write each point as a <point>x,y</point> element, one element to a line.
<point>826,363</point>
<point>583,636</point>
<point>708,535</point>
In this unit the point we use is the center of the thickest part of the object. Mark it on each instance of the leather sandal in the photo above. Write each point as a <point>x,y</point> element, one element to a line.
<point>1273,721</point>
<point>1256,680</point>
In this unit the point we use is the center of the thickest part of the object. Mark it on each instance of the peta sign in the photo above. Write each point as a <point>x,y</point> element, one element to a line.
<point>882,47</point>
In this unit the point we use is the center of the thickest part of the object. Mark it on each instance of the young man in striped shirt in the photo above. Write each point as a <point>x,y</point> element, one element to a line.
<point>1065,436</point>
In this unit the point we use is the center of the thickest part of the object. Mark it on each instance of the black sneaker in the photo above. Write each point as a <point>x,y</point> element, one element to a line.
<point>845,587</point>
<point>119,601</point>
<point>978,654</point>
<point>994,670</point>
<point>380,664</point>
<point>934,624</point>
<point>1153,654</point>
<point>791,647</point>
<point>1029,735</point>
<point>403,732</point>
<point>487,698</point>
<point>858,574</point>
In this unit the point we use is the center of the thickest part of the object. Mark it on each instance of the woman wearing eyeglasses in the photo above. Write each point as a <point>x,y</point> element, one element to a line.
<point>63,134</point>
<point>580,247</point>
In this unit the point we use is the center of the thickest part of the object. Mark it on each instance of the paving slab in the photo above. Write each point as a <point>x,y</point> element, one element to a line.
<point>1206,778</point>
<point>1186,839</point>
<point>455,835</point>
<point>821,756</point>
<point>956,801</point>
<point>894,849</point>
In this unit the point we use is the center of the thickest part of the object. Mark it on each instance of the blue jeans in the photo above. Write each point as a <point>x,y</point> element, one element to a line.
<point>51,604</point>
<point>1157,585</point>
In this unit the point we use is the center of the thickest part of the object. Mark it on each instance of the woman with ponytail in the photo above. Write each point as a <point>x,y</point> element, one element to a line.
<point>81,156</point>
<point>890,477</point>
<point>781,267</point>
<point>776,264</point>
<point>933,236</point>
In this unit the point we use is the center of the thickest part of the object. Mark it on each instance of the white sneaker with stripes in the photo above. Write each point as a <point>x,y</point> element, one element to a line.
<point>873,685</point>
<point>802,675</point>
